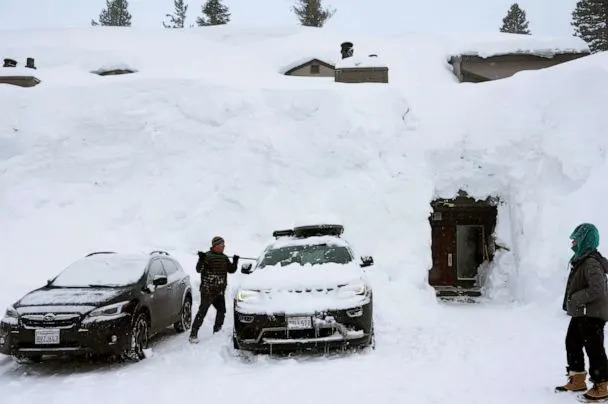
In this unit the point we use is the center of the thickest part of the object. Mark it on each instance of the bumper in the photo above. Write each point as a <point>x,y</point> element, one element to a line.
<point>111,336</point>
<point>330,329</point>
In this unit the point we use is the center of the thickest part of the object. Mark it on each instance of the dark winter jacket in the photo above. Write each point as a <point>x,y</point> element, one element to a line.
<point>214,269</point>
<point>587,289</point>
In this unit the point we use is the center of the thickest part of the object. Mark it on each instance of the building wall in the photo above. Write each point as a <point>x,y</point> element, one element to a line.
<point>362,75</point>
<point>21,81</point>
<point>304,71</point>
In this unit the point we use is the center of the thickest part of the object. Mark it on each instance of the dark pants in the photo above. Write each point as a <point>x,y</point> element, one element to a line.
<point>587,333</point>
<point>207,299</point>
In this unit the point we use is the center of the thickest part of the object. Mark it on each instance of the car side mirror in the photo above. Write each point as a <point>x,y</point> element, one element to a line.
<point>159,280</point>
<point>246,268</point>
<point>367,261</point>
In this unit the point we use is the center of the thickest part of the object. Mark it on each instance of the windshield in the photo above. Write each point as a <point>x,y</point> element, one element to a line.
<point>306,254</point>
<point>109,270</point>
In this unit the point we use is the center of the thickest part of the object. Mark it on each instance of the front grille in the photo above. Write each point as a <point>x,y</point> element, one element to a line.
<point>58,321</point>
<point>64,344</point>
<point>299,334</point>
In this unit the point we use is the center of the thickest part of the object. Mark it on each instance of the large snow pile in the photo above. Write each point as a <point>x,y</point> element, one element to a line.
<point>208,138</point>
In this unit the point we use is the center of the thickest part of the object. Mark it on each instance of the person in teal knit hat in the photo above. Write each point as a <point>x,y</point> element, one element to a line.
<point>586,302</point>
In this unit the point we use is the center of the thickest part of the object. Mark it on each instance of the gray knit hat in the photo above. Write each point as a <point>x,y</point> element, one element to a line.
<point>217,240</point>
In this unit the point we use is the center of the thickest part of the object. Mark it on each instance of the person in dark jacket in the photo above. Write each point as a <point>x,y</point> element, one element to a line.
<point>214,268</point>
<point>586,302</point>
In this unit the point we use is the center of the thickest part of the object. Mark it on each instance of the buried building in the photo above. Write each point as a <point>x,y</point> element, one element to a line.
<point>507,54</point>
<point>360,69</point>
<point>10,73</point>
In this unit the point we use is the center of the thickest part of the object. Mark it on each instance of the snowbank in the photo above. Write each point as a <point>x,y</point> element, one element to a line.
<point>197,145</point>
<point>168,158</point>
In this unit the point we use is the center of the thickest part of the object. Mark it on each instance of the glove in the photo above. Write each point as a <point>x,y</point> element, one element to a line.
<point>235,258</point>
<point>201,255</point>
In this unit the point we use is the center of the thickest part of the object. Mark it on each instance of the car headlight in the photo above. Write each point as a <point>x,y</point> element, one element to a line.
<point>246,295</point>
<point>355,289</point>
<point>110,310</point>
<point>11,313</point>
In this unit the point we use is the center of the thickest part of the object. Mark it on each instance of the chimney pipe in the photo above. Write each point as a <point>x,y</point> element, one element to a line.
<point>347,49</point>
<point>30,63</point>
<point>9,63</point>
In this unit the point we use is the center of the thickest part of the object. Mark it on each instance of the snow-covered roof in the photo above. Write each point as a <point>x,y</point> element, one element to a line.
<point>303,61</point>
<point>17,72</point>
<point>293,241</point>
<point>502,44</point>
<point>371,60</point>
<point>112,67</point>
<point>104,269</point>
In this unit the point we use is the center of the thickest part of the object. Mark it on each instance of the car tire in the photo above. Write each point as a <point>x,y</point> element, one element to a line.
<point>185,320</point>
<point>235,343</point>
<point>140,333</point>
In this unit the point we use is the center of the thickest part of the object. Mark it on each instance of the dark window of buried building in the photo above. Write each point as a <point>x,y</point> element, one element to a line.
<point>315,69</point>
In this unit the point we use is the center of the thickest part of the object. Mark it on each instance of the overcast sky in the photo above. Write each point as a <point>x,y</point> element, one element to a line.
<point>547,17</point>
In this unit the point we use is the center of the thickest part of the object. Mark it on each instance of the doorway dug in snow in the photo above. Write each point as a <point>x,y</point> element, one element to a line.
<point>463,245</point>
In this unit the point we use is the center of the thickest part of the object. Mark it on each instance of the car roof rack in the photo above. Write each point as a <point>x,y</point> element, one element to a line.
<point>100,252</point>
<point>160,252</point>
<point>319,230</point>
<point>311,231</point>
<point>282,233</point>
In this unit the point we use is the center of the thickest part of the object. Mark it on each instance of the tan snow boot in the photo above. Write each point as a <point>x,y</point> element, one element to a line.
<point>576,382</point>
<point>599,391</point>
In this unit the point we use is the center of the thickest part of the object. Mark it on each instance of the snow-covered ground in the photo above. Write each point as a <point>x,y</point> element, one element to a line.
<point>208,138</point>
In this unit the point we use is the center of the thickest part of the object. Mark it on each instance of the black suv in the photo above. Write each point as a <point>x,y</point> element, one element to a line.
<point>104,303</point>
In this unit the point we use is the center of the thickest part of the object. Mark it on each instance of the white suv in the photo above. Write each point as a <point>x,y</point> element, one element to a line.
<point>306,291</point>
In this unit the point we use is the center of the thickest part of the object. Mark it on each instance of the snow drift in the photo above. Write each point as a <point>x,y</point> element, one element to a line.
<point>208,138</point>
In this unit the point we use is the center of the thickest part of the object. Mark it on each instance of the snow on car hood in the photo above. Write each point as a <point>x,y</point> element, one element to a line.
<point>302,277</point>
<point>69,296</point>
<point>297,289</point>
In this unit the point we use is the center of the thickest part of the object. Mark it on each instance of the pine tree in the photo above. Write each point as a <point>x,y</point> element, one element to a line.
<point>116,14</point>
<point>590,22</point>
<point>515,22</point>
<point>311,13</point>
<point>216,12</point>
<point>178,19</point>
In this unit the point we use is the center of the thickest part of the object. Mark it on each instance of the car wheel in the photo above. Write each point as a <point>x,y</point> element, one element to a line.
<point>140,333</point>
<point>185,321</point>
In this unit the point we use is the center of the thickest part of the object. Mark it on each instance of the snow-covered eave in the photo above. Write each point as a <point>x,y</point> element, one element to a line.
<point>303,62</point>
<point>545,53</point>
<point>114,67</point>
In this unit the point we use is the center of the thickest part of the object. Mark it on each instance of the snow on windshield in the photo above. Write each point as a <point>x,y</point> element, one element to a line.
<point>307,254</point>
<point>104,270</point>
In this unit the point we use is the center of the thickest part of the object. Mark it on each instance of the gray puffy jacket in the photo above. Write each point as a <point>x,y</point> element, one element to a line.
<point>587,288</point>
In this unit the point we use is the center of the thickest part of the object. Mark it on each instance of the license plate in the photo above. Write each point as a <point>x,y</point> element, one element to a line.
<point>47,336</point>
<point>299,323</point>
